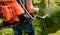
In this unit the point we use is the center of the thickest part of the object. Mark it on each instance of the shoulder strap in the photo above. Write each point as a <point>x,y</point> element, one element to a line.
<point>23,1</point>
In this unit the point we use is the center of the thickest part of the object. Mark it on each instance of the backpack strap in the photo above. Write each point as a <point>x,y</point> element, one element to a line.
<point>23,1</point>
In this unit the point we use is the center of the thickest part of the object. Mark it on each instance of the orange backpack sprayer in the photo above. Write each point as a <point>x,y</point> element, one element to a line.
<point>10,9</point>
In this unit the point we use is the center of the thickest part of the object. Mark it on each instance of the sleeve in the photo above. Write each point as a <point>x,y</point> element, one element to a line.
<point>20,11</point>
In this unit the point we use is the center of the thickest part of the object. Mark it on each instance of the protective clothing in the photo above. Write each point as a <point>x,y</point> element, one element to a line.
<point>10,9</point>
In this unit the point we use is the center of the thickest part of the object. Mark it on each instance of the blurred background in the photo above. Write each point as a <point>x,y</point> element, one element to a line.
<point>47,26</point>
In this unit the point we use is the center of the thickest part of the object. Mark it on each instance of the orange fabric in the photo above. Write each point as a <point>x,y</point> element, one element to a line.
<point>10,11</point>
<point>7,0</point>
<point>18,10</point>
<point>1,0</point>
<point>6,13</point>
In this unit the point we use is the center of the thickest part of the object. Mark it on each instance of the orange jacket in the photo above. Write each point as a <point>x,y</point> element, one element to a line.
<point>11,10</point>
<point>6,0</point>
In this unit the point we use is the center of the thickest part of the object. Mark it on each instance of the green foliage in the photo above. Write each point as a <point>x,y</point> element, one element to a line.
<point>6,31</point>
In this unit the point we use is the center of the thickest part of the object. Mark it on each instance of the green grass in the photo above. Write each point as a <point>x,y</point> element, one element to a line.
<point>6,31</point>
<point>56,33</point>
<point>9,31</point>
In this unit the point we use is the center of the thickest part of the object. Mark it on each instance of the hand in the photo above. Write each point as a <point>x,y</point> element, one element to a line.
<point>36,9</point>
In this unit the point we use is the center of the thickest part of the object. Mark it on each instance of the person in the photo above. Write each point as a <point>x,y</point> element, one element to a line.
<point>27,27</point>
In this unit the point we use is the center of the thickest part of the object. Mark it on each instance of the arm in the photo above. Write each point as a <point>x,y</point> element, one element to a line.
<point>30,8</point>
